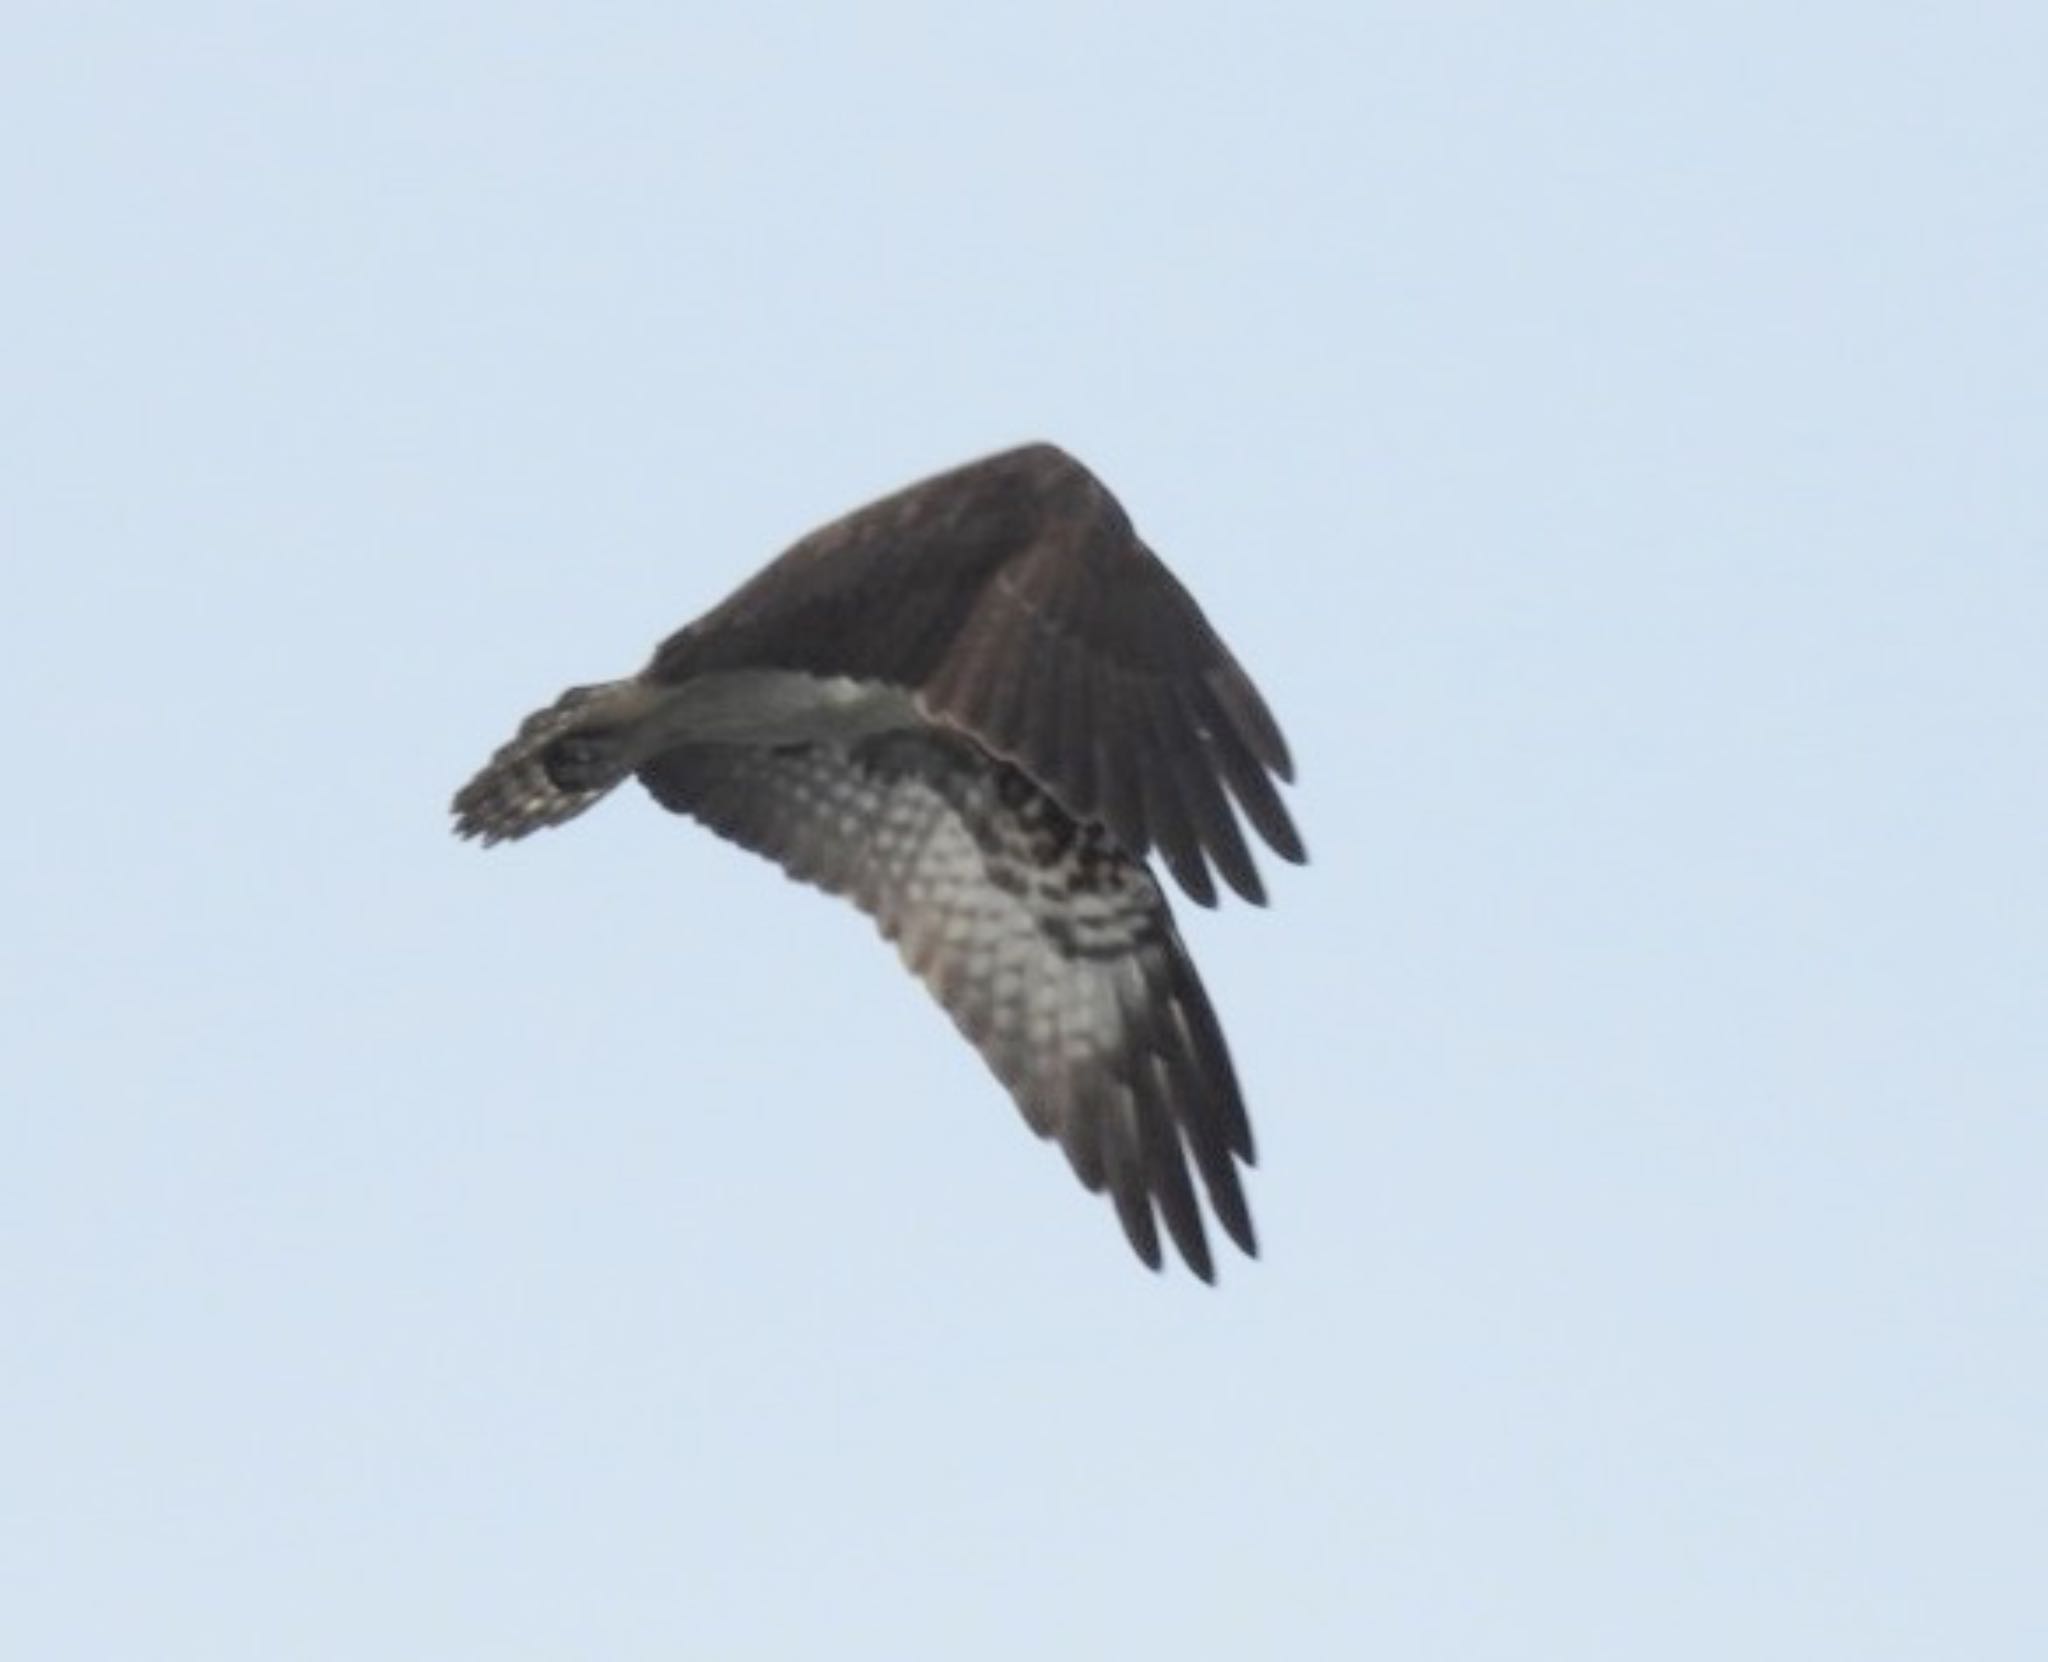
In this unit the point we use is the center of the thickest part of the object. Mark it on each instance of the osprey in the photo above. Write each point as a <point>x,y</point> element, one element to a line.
<point>973,708</point>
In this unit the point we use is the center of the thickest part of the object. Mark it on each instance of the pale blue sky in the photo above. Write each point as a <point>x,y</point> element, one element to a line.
<point>1614,436</point>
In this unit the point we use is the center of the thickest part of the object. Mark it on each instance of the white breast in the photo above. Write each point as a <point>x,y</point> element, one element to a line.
<point>773,706</point>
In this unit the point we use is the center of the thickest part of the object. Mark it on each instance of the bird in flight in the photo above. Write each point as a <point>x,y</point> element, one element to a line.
<point>973,708</point>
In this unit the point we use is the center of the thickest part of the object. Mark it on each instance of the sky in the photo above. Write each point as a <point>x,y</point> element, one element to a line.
<point>1612,436</point>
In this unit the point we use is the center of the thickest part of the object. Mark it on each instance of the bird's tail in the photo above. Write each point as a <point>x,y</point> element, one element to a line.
<point>560,761</point>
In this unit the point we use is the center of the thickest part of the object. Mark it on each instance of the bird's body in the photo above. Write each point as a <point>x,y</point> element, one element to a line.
<point>972,708</point>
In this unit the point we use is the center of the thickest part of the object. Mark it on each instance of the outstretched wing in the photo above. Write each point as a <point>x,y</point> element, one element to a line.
<point>1015,599</point>
<point>1053,952</point>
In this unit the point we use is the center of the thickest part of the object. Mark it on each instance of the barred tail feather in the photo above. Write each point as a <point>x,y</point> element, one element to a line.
<point>562,760</point>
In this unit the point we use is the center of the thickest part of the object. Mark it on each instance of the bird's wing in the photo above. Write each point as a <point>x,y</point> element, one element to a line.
<point>1054,953</point>
<point>1013,597</point>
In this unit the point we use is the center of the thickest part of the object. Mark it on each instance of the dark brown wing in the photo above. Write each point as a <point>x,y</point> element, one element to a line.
<point>1053,952</point>
<point>1015,599</point>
